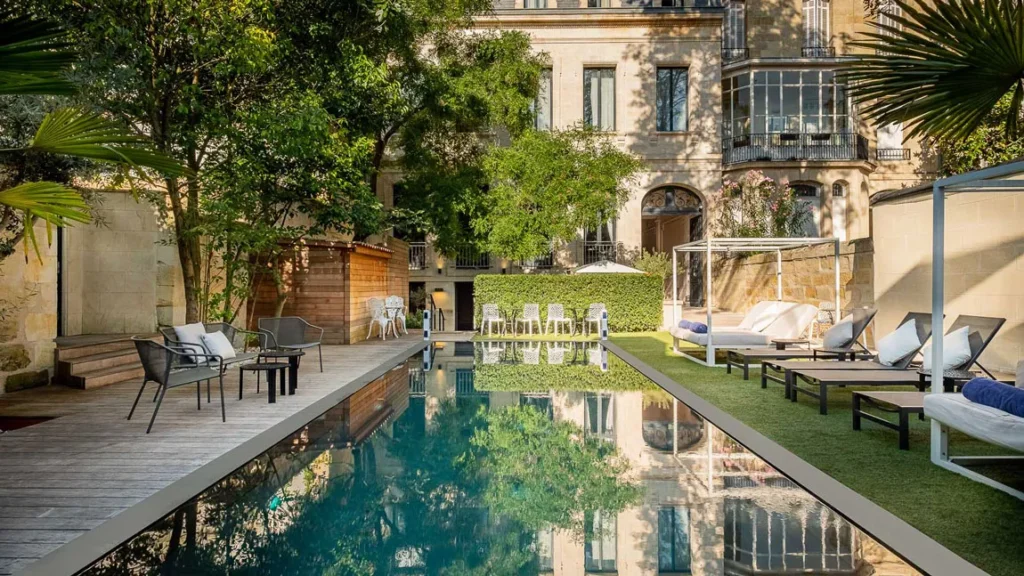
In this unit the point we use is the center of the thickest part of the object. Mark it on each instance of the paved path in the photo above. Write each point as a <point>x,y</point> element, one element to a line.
<point>64,477</point>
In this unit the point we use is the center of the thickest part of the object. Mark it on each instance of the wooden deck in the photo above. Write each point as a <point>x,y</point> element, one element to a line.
<point>62,478</point>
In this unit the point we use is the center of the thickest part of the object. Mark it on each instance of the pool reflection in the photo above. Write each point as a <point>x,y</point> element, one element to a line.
<point>519,459</point>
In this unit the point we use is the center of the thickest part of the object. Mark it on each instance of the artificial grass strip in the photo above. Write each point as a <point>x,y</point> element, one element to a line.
<point>979,523</point>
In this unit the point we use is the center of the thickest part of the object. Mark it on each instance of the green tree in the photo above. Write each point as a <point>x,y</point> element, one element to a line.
<point>943,67</point>
<point>988,145</point>
<point>546,186</point>
<point>34,58</point>
<point>757,206</point>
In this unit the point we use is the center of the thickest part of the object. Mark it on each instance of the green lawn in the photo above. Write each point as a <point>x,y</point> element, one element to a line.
<point>980,524</point>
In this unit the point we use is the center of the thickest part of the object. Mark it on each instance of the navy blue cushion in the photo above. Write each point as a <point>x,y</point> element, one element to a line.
<point>996,395</point>
<point>685,324</point>
<point>698,328</point>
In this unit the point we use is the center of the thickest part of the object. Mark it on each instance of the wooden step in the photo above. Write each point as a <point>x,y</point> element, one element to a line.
<point>105,376</point>
<point>72,347</point>
<point>93,362</point>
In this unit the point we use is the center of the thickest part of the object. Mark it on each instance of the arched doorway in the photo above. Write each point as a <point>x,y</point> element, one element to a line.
<point>672,215</point>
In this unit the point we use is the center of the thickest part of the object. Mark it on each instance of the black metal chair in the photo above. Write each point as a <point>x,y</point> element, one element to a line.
<point>160,366</point>
<point>292,333</point>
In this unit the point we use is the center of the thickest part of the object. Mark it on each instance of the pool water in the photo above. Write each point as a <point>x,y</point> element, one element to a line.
<point>502,458</point>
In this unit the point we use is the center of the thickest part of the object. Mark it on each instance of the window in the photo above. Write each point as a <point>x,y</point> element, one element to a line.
<point>671,99</point>
<point>735,33</point>
<point>599,415</point>
<point>788,101</point>
<point>599,547</point>
<point>599,3</point>
<point>535,3</point>
<point>816,24</point>
<point>599,98</point>
<point>674,539</point>
<point>761,540</point>
<point>542,105</point>
<point>810,200</point>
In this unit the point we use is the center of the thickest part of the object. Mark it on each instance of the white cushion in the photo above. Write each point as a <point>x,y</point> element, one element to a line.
<point>792,322</point>
<point>840,335</point>
<point>898,344</point>
<point>217,343</point>
<point>191,334</point>
<point>980,421</point>
<point>956,349</point>
<point>723,337</point>
<point>760,316</point>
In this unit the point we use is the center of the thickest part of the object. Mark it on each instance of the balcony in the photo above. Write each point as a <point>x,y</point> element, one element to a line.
<point>789,147</point>
<point>594,251</point>
<point>892,154</point>
<point>735,54</point>
<point>417,256</point>
<point>818,52</point>
<point>545,262</point>
<point>469,258</point>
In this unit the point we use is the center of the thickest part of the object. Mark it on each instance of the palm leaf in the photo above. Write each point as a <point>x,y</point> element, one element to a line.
<point>55,204</point>
<point>75,132</point>
<point>942,68</point>
<point>33,56</point>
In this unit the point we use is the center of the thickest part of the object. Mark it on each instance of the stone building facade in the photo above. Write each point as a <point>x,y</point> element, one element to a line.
<point>701,90</point>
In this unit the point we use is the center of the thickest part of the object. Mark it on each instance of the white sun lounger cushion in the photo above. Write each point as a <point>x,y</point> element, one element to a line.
<point>956,349</point>
<point>895,346</point>
<point>724,337</point>
<point>763,314</point>
<point>793,322</point>
<point>840,335</point>
<point>982,422</point>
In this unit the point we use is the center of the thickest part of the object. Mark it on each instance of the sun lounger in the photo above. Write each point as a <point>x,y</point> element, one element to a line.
<point>861,318</point>
<point>982,330</point>
<point>780,370</point>
<point>764,322</point>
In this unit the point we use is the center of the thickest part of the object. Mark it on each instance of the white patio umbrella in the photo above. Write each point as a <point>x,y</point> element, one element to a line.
<point>606,267</point>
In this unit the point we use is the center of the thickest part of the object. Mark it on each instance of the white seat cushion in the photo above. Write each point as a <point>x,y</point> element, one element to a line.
<point>840,335</point>
<point>724,337</point>
<point>217,343</point>
<point>956,349</point>
<point>977,420</point>
<point>896,345</point>
<point>191,337</point>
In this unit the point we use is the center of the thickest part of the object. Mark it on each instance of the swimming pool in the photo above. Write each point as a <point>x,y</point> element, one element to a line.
<point>505,458</point>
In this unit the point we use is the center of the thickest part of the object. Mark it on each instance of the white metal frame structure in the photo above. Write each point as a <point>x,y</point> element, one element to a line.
<point>708,246</point>
<point>992,179</point>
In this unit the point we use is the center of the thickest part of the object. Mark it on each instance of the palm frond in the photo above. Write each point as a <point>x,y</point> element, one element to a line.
<point>941,68</point>
<point>33,56</point>
<point>84,134</point>
<point>53,203</point>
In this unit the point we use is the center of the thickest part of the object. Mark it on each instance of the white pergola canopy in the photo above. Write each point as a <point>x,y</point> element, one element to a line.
<point>708,246</point>
<point>1001,178</point>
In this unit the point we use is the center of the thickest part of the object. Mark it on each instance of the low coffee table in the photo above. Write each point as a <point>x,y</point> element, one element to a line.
<point>903,404</point>
<point>293,365</point>
<point>783,343</point>
<point>271,369</point>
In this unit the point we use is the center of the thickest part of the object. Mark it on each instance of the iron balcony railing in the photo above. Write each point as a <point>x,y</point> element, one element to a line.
<point>544,262</point>
<point>417,382</point>
<point>469,258</point>
<point>734,54</point>
<point>785,147</point>
<point>417,256</point>
<point>892,154</point>
<point>818,52</point>
<point>594,251</point>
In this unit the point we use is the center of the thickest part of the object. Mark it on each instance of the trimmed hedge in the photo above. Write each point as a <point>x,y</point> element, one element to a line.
<point>620,377</point>
<point>634,301</point>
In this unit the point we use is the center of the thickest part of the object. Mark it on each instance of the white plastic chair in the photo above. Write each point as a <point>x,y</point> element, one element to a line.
<point>593,317</point>
<point>395,307</point>
<point>379,317</point>
<point>490,316</point>
<point>531,353</point>
<point>531,315</point>
<point>493,352</point>
<point>556,353</point>
<point>556,318</point>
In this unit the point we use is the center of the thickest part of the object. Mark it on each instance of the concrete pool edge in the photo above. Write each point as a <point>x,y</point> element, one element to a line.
<point>86,549</point>
<point>916,548</point>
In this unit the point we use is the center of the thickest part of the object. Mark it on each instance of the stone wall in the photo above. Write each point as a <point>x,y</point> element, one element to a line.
<point>28,316</point>
<point>808,277</point>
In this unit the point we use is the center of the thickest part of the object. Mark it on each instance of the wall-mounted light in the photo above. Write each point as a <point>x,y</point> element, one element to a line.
<point>439,270</point>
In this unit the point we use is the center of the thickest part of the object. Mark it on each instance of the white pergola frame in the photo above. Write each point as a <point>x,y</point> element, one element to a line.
<point>985,180</point>
<point>709,246</point>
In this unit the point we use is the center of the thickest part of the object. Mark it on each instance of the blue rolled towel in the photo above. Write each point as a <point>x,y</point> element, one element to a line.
<point>996,395</point>
<point>698,328</point>
<point>685,324</point>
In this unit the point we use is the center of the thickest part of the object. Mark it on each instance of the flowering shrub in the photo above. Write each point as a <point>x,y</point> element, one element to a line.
<point>758,207</point>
